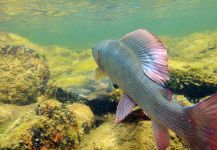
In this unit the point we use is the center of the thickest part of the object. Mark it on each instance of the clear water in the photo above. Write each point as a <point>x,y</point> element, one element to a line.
<point>79,24</point>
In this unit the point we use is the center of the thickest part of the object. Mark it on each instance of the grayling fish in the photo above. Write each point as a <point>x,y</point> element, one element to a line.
<point>138,65</point>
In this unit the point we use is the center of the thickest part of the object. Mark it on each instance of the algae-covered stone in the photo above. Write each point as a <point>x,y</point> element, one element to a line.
<point>193,64</point>
<point>52,125</point>
<point>9,113</point>
<point>125,136</point>
<point>23,74</point>
<point>83,116</point>
<point>193,84</point>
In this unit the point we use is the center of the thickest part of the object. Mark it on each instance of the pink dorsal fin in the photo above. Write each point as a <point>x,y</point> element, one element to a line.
<point>150,52</point>
<point>125,107</point>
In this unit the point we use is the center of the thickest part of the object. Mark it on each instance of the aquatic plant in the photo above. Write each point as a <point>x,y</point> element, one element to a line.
<point>24,74</point>
<point>51,125</point>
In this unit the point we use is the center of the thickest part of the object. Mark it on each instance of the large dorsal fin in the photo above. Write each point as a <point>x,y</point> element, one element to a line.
<point>150,52</point>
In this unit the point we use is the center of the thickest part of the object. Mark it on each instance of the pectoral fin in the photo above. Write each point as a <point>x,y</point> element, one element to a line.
<point>161,136</point>
<point>167,94</point>
<point>99,73</point>
<point>125,107</point>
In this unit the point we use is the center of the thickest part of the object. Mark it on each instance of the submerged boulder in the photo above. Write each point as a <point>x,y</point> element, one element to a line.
<point>23,74</point>
<point>193,84</point>
<point>193,67</point>
<point>52,125</point>
<point>112,136</point>
<point>9,113</point>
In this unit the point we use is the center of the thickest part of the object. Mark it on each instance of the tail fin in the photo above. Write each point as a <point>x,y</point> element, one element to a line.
<point>204,119</point>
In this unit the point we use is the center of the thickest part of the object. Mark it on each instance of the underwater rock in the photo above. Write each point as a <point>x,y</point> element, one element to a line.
<point>196,46</point>
<point>91,89</point>
<point>193,84</point>
<point>9,113</point>
<point>193,64</point>
<point>112,136</point>
<point>100,105</point>
<point>83,116</point>
<point>65,96</point>
<point>23,74</point>
<point>4,115</point>
<point>103,105</point>
<point>69,68</point>
<point>98,95</point>
<point>52,125</point>
<point>66,66</point>
<point>136,115</point>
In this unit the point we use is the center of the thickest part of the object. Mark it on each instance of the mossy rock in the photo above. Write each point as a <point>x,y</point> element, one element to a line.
<point>52,125</point>
<point>193,84</point>
<point>125,136</point>
<point>193,64</point>
<point>23,74</point>
<point>9,113</point>
<point>83,116</point>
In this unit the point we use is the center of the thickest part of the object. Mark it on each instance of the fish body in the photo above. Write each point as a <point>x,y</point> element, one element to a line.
<point>123,69</point>
<point>138,73</point>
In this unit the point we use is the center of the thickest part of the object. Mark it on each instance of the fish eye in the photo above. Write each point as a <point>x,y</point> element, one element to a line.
<point>115,86</point>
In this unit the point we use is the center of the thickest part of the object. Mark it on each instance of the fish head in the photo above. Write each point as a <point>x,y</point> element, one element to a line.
<point>101,49</point>
<point>97,51</point>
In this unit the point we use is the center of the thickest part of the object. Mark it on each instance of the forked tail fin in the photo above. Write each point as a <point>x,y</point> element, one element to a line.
<point>204,118</point>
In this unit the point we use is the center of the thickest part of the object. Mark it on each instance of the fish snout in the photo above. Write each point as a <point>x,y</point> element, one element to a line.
<point>95,53</point>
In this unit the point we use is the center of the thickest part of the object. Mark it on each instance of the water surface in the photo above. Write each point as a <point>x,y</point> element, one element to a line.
<point>80,24</point>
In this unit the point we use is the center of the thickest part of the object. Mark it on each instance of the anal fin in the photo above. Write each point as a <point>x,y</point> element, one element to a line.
<point>161,136</point>
<point>125,107</point>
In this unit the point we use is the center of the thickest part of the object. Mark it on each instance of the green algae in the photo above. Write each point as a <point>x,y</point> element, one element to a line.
<point>9,113</point>
<point>129,136</point>
<point>192,65</point>
<point>196,51</point>
<point>67,68</point>
<point>193,84</point>
<point>51,125</point>
<point>24,74</point>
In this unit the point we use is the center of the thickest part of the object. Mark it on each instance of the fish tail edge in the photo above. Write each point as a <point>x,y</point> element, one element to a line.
<point>203,117</point>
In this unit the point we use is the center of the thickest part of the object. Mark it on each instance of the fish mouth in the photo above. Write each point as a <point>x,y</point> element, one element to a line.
<point>95,54</point>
